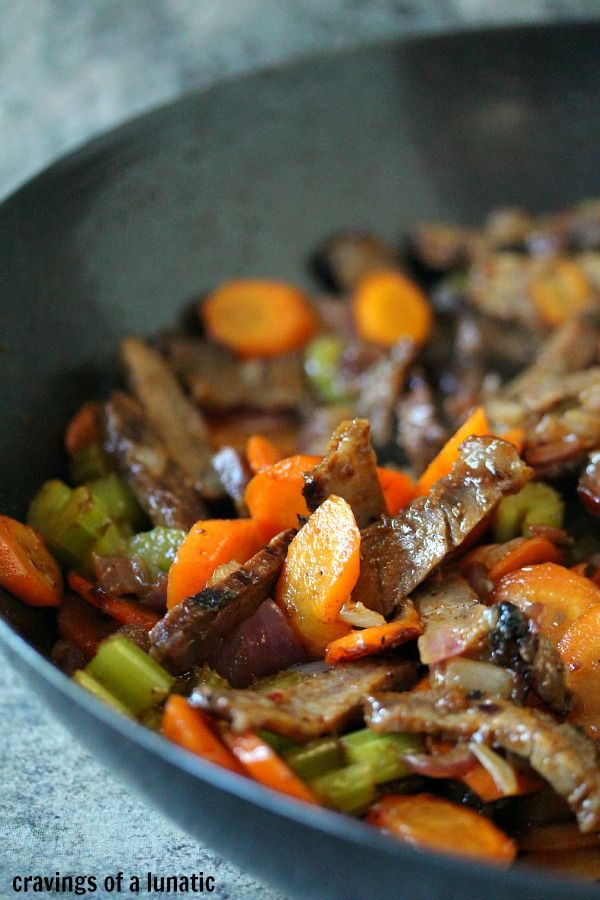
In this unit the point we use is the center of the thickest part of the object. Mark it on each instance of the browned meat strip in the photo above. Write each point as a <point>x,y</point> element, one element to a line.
<point>398,553</point>
<point>455,623</point>
<point>219,382</point>
<point>234,472</point>
<point>346,257</point>
<point>319,703</point>
<point>421,433</point>
<point>560,753</point>
<point>588,489</point>
<point>350,471</point>
<point>171,414</point>
<point>379,388</point>
<point>161,487</point>
<point>191,631</point>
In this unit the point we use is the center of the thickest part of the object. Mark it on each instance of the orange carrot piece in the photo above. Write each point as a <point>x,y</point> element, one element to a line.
<point>398,489</point>
<point>560,290</point>
<point>554,595</point>
<point>516,437</point>
<point>190,729</point>
<point>477,424</point>
<point>208,544</point>
<point>320,571</point>
<point>368,641</point>
<point>425,821</point>
<point>274,495</point>
<point>580,652</point>
<point>261,453</point>
<point>83,428</point>
<point>27,569</point>
<point>124,611</point>
<point>82,625</point>
<point>479,780</point>
<point>257,318</point>
<point>387,306</point>
<point>262,763</point>
<point>501,559</point>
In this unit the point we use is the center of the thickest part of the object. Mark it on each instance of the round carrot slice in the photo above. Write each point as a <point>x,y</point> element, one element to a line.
<point>580,652</point>
<point>257,318</point>
<point>559,291</point>
<point>387,306</point>
<point>433,823</point>
<point>27,569</point>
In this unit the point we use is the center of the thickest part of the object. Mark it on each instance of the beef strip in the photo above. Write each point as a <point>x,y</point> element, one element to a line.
<point>588,489</point>
<point>349,470</point>
<point>380,387</point>
<point>234,472</point>
<point>456,623</point>
<point>398,553</point>
<point>319,703</point>
<point>420,432</point>
<point>219,382</point>
<point>347,257</point>
<point>176,420</point>
<point>191,631</point>
<point>161,487</point>
<point>558,752</point>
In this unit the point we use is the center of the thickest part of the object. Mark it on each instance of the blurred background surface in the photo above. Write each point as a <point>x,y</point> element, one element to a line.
<point>70,69</point>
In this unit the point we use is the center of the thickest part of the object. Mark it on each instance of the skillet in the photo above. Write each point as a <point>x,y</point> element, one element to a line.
<point>243,180</point>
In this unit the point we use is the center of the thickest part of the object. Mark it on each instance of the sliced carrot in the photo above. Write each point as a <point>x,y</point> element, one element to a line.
<point>274,495</point>
<point>190,729</point>
<point>261,453</point>
<point>208,544</point>
<point>477,424</point>
<point>580,652</point>
<point>369,641</point>
<point>398,489</point>
<point>257,318</point>
<point>501,559</point>
<point>516,437</point>
<point>27,569</point>
<point>560,290</point>
<point>387,306</point>
<point>124,611</point>
<point>479,780</point>
<point>553,595</point>
<point>83,428</point>
<point>265,766</point>
<point>83,626</point>
<point>320,571</point>
<point>425,821</point>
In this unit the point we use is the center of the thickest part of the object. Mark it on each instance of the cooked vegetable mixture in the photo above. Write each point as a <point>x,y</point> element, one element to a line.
<point>347,545</point>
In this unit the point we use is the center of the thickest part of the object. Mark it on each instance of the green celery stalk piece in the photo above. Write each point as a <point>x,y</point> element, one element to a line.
<point>349,790</point>
<point>316,758</point>
<point>118,500</point>
<point>94,687</point>
<point>89,464</point>
<point>73,531</point>
<point>130,674</point>
<point>157,548</point>
<point>49,500</point>
<point>277,742</point>
<point>382,752</point>
<point>110,543</point>
<point>321,364</point>
<point>535,504</point>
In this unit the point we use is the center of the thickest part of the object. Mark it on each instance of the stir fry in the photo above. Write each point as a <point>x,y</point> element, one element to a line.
<point>347,544</point>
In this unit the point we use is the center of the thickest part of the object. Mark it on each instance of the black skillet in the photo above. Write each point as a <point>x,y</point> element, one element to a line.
<point>243,180</point>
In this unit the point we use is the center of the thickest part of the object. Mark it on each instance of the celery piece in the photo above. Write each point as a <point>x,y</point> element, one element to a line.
<point>110,543</point>
<point>157,548</point>
<point>321,364</point>
<point>74,530</point>
<point>348,790</point>
<point>49,500</point>
<point>89,464</point>
<point>118,500</point>
<point>535,504</point>
<point>316,758</point>
<point>382,752</point>
<point>94,687</point>
<point>277,742</point>
<point>130,674</point>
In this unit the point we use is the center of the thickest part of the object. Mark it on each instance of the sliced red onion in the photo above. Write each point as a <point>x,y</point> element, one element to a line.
<point>451,764</point>
<point>262,645</point>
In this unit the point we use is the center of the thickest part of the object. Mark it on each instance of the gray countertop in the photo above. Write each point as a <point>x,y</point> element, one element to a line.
<point>70,69</point>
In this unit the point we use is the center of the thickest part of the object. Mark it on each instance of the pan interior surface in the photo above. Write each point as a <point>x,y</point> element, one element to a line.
<point>244,180</point>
